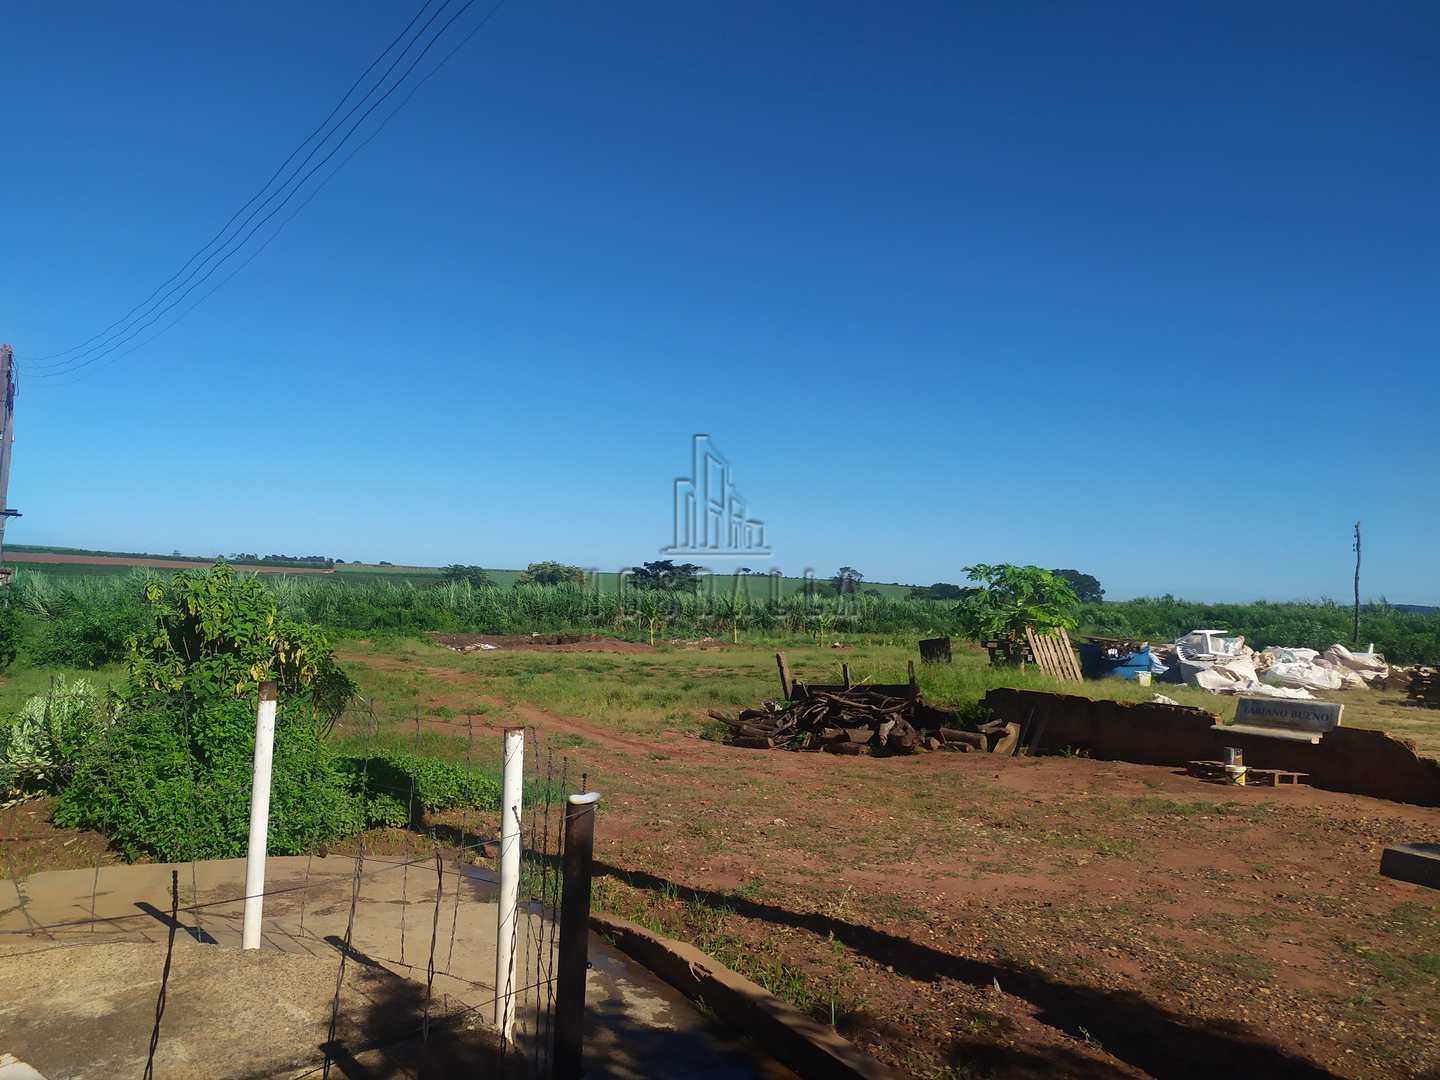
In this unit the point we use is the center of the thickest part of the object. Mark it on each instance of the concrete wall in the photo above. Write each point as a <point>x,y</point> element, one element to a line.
<point>1347,759</point>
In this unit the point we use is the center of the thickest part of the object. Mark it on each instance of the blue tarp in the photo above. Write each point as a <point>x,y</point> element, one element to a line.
<point>1094,664</point>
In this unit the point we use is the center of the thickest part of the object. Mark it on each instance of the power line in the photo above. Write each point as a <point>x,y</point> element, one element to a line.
<point>171,300</point>
<point>250,201</point>
<point>73,373</point>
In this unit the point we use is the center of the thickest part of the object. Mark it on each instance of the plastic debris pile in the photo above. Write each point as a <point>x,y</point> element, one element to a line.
<point>1224,664</point>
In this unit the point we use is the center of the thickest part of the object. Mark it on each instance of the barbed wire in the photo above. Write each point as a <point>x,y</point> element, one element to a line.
<point>531,960</point>
<point>447,1022</point>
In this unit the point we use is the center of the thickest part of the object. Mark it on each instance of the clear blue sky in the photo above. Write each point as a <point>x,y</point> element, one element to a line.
<point>1149,290</point>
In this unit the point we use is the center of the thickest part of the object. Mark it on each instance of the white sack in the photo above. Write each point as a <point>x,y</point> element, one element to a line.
<point>1295,693</point>
<point>1368,667</point>
<point>1305,674</point>
<point>1230,676</point>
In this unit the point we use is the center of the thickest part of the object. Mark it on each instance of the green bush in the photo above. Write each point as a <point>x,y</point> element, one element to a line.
<point>383,810</point>
<point>437,785</point>
<point>9,635</point>
<point>176,785</point>
<point>214,634</point>
<point>172,776</point>
<point>42,743</point>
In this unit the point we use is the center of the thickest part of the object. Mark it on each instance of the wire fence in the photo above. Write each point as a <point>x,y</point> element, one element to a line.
<point>412,895</point>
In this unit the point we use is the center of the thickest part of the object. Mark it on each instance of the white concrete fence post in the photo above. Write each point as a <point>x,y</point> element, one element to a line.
<point>506,915</point>
<point>259,816</point>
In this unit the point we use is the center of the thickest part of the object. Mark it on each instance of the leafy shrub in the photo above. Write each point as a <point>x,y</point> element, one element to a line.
<point>438,785</point>
<point>41,744</point>
<point>176,785</point>
<point>9,636</point>
<point>383,810</point>
<point>172,778</point>
<point>174,774</point>
<point>215,634</point>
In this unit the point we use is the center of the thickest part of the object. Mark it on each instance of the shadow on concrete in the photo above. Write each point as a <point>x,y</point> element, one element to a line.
<point>1127,1025</point>
<point>164,917</point>
<point>617,1045</point>
<point>383,1032</point>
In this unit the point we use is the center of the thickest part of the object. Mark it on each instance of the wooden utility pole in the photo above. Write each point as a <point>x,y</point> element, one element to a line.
<point>1355,636</point>
<point>7,438</point>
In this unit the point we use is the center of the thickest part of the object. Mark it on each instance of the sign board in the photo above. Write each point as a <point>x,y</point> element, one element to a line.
<point>1288,714</point>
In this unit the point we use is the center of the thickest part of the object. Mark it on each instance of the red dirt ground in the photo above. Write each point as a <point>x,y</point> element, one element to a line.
<point>540,643</point>
<point>1136,921</point>
<point>53,557</point>
<point>29,842</point>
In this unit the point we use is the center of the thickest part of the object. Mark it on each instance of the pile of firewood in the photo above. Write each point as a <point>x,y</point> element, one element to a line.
<point>854,721</point>
<point>1425,687</point>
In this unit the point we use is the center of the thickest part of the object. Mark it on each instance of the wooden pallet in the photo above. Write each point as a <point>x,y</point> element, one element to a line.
<point>1215,770</point>
<point>1054,654</point>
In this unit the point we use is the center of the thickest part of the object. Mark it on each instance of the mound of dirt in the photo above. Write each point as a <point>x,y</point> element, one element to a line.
<point>538,643</point>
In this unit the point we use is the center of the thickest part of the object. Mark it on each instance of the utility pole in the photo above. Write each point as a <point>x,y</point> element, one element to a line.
<point>7,439</point>
<point>1355,637</point>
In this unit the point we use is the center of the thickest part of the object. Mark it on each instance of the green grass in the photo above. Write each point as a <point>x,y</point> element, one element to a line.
<point>713,927</point>
<point>673,687</point>
<point>1401,969</point>
<point>73,570</point>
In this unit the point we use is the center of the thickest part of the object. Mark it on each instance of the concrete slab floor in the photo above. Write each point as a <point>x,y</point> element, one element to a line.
<point>80,995</point>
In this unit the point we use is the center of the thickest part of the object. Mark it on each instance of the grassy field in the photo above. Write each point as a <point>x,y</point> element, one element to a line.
<point>962,915</point>
<point>671,688</point>
<point>608,581</point>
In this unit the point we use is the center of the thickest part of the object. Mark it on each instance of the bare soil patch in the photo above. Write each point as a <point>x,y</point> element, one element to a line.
<point>1135,920</point>
<point>30,842</point>
<point>539,643</point>
<point>55,557</point>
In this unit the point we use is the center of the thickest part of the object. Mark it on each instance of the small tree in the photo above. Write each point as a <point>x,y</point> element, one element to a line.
<point>846,580</point>
<point>1010,598</point>
<point>215,635</point>
<point>1086,586</point>
<point>551,573</point>
<point>665,574</point>
<point>457,572</point>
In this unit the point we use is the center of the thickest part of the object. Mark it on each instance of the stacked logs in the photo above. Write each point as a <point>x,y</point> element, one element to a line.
<point>855,721</point>
<point>1425,687</point>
